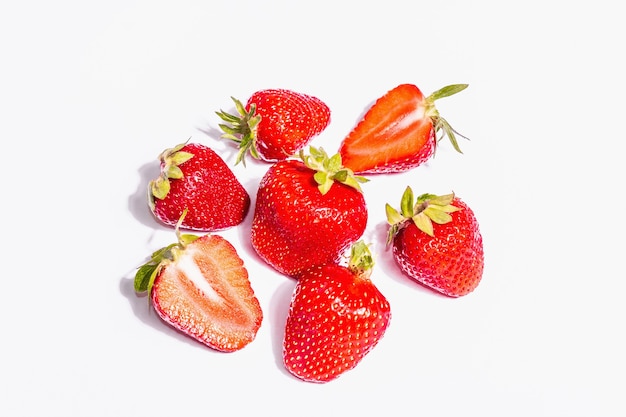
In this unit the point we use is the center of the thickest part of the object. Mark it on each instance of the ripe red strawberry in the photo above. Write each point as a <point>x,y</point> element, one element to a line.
<point>336,317</point>
<point>200,286</point>
<point>399,132</point>
<point>195,178</point>
<point>307,213</point>
<point>275,123</point>
<point>437,242</point>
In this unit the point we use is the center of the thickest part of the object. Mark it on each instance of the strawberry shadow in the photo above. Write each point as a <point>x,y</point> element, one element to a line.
<point>212,137</point>
<point>385,263</point>
<point>138,201</point>
<point>279,309</point>
<point>387,266</point>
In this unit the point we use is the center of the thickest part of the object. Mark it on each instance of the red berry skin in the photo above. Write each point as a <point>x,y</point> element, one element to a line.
<point>289,121</point>
<point>212,194</point>
<point>335,319</point>
<point>295,227</point>
<point>451,262</point>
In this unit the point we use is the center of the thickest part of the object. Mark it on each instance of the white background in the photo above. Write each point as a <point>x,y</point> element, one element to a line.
<point>92,92</point>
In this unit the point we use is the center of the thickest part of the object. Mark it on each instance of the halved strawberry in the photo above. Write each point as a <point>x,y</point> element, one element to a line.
<point>200,286</point>
<point>336,317</point>
<point>399,132</point>
<point>275,123</point>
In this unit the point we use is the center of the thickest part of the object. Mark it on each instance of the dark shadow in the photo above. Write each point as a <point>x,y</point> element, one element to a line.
<point>138,201</point>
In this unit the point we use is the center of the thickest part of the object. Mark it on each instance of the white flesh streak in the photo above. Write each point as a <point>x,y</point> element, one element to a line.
<point>189,267</point>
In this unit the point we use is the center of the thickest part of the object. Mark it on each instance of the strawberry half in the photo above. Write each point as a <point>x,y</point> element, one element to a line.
<point>437,242</point>
<point>399,131</point>
<point>307,212</point>
<point>195,178</point>
<point>336,317</point>
<point>275,123</point>
<point>200,286</point>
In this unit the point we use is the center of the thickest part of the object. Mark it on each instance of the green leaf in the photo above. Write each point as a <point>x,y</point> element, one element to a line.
<point>393,216</point>
<point>240,107</point>
<point>328,170</point>
<point>447,91</point>
<point>436,215</point>
<point>425,197</point>
<point>423,223</point>
<point>324,181</point>
<point>406,203</point>
<point>180,157</point>
<point>317,153</point>
<point>227,117</point>
<point>334,163</point>
<point>253,123</point>
<point>186,239</point>
<point>441,200</point>
<point>320,177</point>
<point>229,132</point>
<point>442,124</point>
<point>341,175</point>
<point>174,172</point>
<point>351,181</point>
<point>449,208</point>
<point>143,276</point>
<point>163,253</point>
<point>160,187</point>
<point>361,260</point>
<point>393,230</point>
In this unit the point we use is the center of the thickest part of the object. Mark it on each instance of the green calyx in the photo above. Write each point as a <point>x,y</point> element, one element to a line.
<point>427,209</point>
<point>442,127</point>
<point>330,169</point>
<point>147,273</point>
<point>241,129</point>
<point>170,158</point>
<point>361,260</point>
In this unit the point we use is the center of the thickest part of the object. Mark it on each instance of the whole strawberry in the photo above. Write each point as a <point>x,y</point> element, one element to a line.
<point>200,286</point>
<point>336,317</point>
<point>195,178</point>
<point>307,212</point>
<point>437,242</point>
<point>275,123</point>
<point>399,131</point>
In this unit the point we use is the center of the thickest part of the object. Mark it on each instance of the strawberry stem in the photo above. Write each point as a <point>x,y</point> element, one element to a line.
<point>441,125</point>
<point>361,260</point>
<point>241,129</point>
<point>170,158</point>
<point>330,169</point>
<point>427,209</point>
<point>147,273</point>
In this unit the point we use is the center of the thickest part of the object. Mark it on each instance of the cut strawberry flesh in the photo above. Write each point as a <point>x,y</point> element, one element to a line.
<point>395,130</point>
<point>206,294</point>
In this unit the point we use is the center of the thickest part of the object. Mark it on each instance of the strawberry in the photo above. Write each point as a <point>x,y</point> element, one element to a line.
<point>307,212</point>
<point>437,242</point>
<point>336,317</point>
<point>399,132</point>
<point>200,286</point>
<point>195,178</point>
<point>274,124</point>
